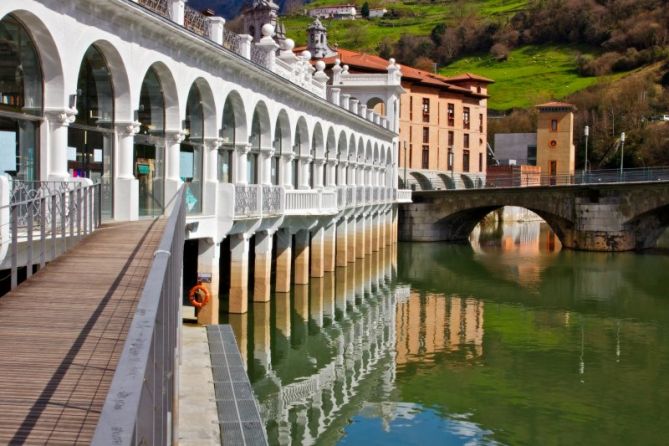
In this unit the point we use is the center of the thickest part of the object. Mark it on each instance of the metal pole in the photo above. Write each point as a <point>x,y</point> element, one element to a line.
<point>586,132</point>
<point>405,166</point>
<point>622,153</point>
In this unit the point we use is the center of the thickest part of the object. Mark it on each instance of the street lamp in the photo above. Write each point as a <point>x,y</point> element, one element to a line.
<point>405,165</point>
<point>450,161</point>
<point>586,133</point>
<point>622,153</point>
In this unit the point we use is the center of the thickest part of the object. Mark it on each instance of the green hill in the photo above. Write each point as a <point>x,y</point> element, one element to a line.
<point>553,53</point>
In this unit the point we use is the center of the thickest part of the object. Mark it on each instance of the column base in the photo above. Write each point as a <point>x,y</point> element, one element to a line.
<point>126,199</point>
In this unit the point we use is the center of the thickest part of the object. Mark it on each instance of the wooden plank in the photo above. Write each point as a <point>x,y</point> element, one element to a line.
<point>63,330</point>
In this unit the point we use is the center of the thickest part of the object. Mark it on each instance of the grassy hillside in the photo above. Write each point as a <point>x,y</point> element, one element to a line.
<point>531,74</point>
<point>415,18</point>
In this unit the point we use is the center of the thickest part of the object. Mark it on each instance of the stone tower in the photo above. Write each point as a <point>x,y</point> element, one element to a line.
<point>259,13</point>
<point>556,154</point>
<point>317,42</point>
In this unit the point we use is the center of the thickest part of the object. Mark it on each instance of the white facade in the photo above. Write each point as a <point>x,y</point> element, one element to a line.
<point>374,13</point>
<point>270,115</point>
<point>335,11</point>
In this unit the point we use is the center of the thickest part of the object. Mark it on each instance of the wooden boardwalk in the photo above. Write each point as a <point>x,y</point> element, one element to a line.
<point>62,332</point>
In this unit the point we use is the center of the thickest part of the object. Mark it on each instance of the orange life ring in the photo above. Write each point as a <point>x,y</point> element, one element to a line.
<point>199,295</point>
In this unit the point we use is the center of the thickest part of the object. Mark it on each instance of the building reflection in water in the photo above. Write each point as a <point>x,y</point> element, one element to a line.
<point>433,323</point>
<point>312,355</point>
<point>315,355</point>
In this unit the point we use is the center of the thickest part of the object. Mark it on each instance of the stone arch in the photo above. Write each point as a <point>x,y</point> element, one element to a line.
<point>467,181</point>
<point>331,145</point>
<point>341,146</point>
<point>448,181</point>
<point>459,225</point>
<point>369,153</point>
<point>170,95</point>
<point>400,183</point>
<point>234,129</point>
<point>260,127</point>
<point>389,156</point>
<point>376,157</point>
<point>123,109</point>
<point>208,107</point>
<point>360,153</point>
<point>317,143</point>
<point>421,180</point>
<point>302,143</point>
<point>282,133</point>
<point>49,57</point>
<point>377,104</point>
<point>352,149</point>
<point>649,226</point>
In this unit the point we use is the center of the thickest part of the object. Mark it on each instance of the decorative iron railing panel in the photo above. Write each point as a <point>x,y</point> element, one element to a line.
<point>157,6</point>
<point>259,56</point>
<point>247,200</point>
<point>195,21</point>
<point>271,200</point>
<point>232,41</point>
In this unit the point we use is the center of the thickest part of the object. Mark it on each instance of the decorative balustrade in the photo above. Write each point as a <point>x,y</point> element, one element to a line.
<point>195,21</point>
<point>299,73</point>
<point>158,6</point>
<point>329,199</point>
<point>255,201</point>
<point>259,56</point>
<point>247,200</point>
<point>271,200</point>
<point>232,41</point>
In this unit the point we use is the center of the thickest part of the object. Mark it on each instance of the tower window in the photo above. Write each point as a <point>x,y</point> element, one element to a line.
<point>426,157</point>
<point>426,109</point>
<point>465,117</point>
<point>554,125</point>
<point>451,114</point>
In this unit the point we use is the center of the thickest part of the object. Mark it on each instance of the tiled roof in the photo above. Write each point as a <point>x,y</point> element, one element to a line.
<point>556,104</point>
<point>369,63</point>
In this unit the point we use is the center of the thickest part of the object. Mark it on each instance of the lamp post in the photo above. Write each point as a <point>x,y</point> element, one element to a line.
<point>622,153</point>
<point>405,165</point>
<point>450,161</point>
<point>586,133</point>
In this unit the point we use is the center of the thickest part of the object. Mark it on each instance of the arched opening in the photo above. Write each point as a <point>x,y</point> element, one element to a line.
<point>233,130</point>
<point>301,150</point>
<point>281,144</point>
<point>448,181</point>
<point>260,135</point>
<point>377,105</point>
<point>467,181</point>
<point>421,182</point>
<point>149,159</point>
<point>330,154</point>
<point>21,101</point>
<point>90,137</point>
<point>340,171</point>
<point>316,152</point>
<point>190,158</point>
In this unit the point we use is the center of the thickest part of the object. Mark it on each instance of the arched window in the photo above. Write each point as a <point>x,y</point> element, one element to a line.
<point>90,137</point>
<point>150,146</point>
<point>21,91</point>
<point>252,157</point>
<point>277,145</point>
<point>190,162</point>
<point>229,136</point>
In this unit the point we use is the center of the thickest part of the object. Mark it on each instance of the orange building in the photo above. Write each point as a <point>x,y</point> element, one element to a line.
<point>442,120</point>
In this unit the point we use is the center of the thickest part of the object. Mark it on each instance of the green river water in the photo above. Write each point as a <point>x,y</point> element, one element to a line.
<point>507,341</point>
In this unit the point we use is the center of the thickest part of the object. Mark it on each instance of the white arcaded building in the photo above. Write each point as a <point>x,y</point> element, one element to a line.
<point>144,96</point>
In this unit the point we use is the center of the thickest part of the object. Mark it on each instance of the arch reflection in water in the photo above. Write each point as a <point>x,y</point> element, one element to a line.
<point>313,354</point>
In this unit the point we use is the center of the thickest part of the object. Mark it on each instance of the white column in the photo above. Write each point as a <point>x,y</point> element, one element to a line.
<point>239,161</point>
<point>216,29</point>
<point>286,169</point>
<point>318,173</point>
<point>58,121</point>
<point>126,186</point>
<point>176,9</point>
<point>331,166</point>
<point>173,182</point>
<point>210,191</point>
<point>265,165</point>
<point>304,162</point>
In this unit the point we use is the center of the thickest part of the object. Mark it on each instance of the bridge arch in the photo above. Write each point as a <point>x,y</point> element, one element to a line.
<point>448,181</point>
<point>422,181</point>
<point>467,181</point>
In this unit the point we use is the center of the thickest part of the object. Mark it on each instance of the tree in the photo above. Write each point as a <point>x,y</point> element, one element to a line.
<point>364,11</point>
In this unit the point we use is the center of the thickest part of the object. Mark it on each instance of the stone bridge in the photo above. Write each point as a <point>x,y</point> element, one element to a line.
<point>609,217</point>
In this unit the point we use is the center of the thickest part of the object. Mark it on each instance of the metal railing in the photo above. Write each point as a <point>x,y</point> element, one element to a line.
<point>157,6</point>
<point>41,220</point>
<point>195,21</point>
<point>329,199</point>
<point>140,405</point>
<point>247,200</point>
<point>259,55</point>
<point>523,179</point>
<point>271,200</point>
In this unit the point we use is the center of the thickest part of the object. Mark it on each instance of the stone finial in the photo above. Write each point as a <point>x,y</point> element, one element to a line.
<point>320,73</point>
<point>345,70</point>
<point>288,45</point>
<point>306,55</point>
<point>267,30</point>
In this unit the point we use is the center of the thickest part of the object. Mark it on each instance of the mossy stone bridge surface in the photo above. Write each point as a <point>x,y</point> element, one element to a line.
<point>607,217</point>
